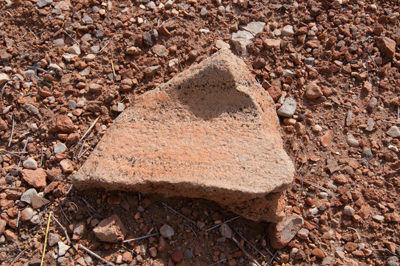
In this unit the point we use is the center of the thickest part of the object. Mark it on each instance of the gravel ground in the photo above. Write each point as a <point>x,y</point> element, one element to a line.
<point>68,68</point>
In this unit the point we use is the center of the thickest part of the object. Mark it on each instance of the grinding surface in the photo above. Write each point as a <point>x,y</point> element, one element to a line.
<point>211,132</point>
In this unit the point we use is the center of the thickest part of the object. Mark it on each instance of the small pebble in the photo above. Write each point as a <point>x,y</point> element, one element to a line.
<point>352,141</point>
<point>288,108</point>
<point>349,211</point>
<point>59,148</point>
<point>62,248</point>
<point>378,218</point>
<point>394,132</point>
<point>28,195</point>
<point>312,212</point>
<point>367,153</point>
<point>370,125</point>
<point>30,163</point>
<point>166,231</point>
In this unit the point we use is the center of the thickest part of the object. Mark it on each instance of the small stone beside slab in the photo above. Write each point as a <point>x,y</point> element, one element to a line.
<point>210,132</point>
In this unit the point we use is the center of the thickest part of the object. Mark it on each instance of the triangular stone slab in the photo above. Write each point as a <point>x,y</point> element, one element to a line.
<point>210,132</point>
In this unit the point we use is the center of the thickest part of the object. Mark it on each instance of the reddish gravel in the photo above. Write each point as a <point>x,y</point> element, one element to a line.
<point>70,66</point>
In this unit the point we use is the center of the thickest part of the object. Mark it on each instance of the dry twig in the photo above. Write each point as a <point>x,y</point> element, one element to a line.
<point>218,262</point>
<point>386,121</point>
<point>65,216</point>
<point>45,239</point>
<point>139,238</point>
<point>104,47</point>
<point>83,153</point>
<point>33,34</point>
<point>251,245</point>
<point>316,185</point>
<point>12,131</point>
<point>245,251</point>
<point>70,37</point>
<point>227,232</point>
<point>191,229</point>
<point>91,208</point>
<point>20,158</point>
<point>218,225</point>
<point>13,188</point>
<point>128,249</point>
<point>95,255</point>
<point>365,47</point>
<point>90,128</point>
<point>15,153</point>
<point>69,190</point>
<point>272,259</point>
<point>19,255</point>
<point>178,213</point>
<point>62,227</point>
<point>2,89</point>
<point>19,214</point>
<point>355,230</point>
<point>147,234</point>
<point>41,156</point>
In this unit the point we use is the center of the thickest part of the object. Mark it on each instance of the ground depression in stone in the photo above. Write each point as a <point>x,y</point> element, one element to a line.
<point>211,132</point>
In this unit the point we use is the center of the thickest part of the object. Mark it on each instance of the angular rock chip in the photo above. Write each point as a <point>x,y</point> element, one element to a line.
<point>166,231</point>
<point>62,123</point>
<point>110,229</point>
<point>35,178</point>
<point>38,202</point>
<point>211,132</point>
<point>387,46</point>
<point>3,78</point>
<point>283,232</point>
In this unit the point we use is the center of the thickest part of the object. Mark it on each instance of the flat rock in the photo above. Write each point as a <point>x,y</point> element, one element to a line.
<point>53,239</point>
<point>225,231</point>
<point>30,163</point>
<point>210,132</point>
<point>59,42</point>
<point>27,214</point>
<point>288,107</point>
<point>327,138</point>
<point>3,78</point>
<point>62,123</point>
<point>241,39</point>
<point>110,229</point>
<point>67,166</point>
<point>272,43</point>
<point>387,46</point>
<point>313,91</point>
<point>220,44</point>
<point>255,28</point>
<point>43,3</point>
<point>166,231</point>
<point>59,148</point>
<point>351,140</point>
<point>28,195</point>
<point>38,201</point>
<point>287,31</point>
<point>74,49</point>
<point>36,178</point>
<point>62,248</point>
<point>160,50</point>
<point>283,232</point>
<point>4,56</point>
<point>79,230</point>
<point>63,5</point>
<point>2,226</point>
<point>370,124</point>
<point>133,50</point>
<point>394,132</point>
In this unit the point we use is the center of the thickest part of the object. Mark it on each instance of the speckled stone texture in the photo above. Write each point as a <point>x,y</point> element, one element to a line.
<point>210,132</point>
